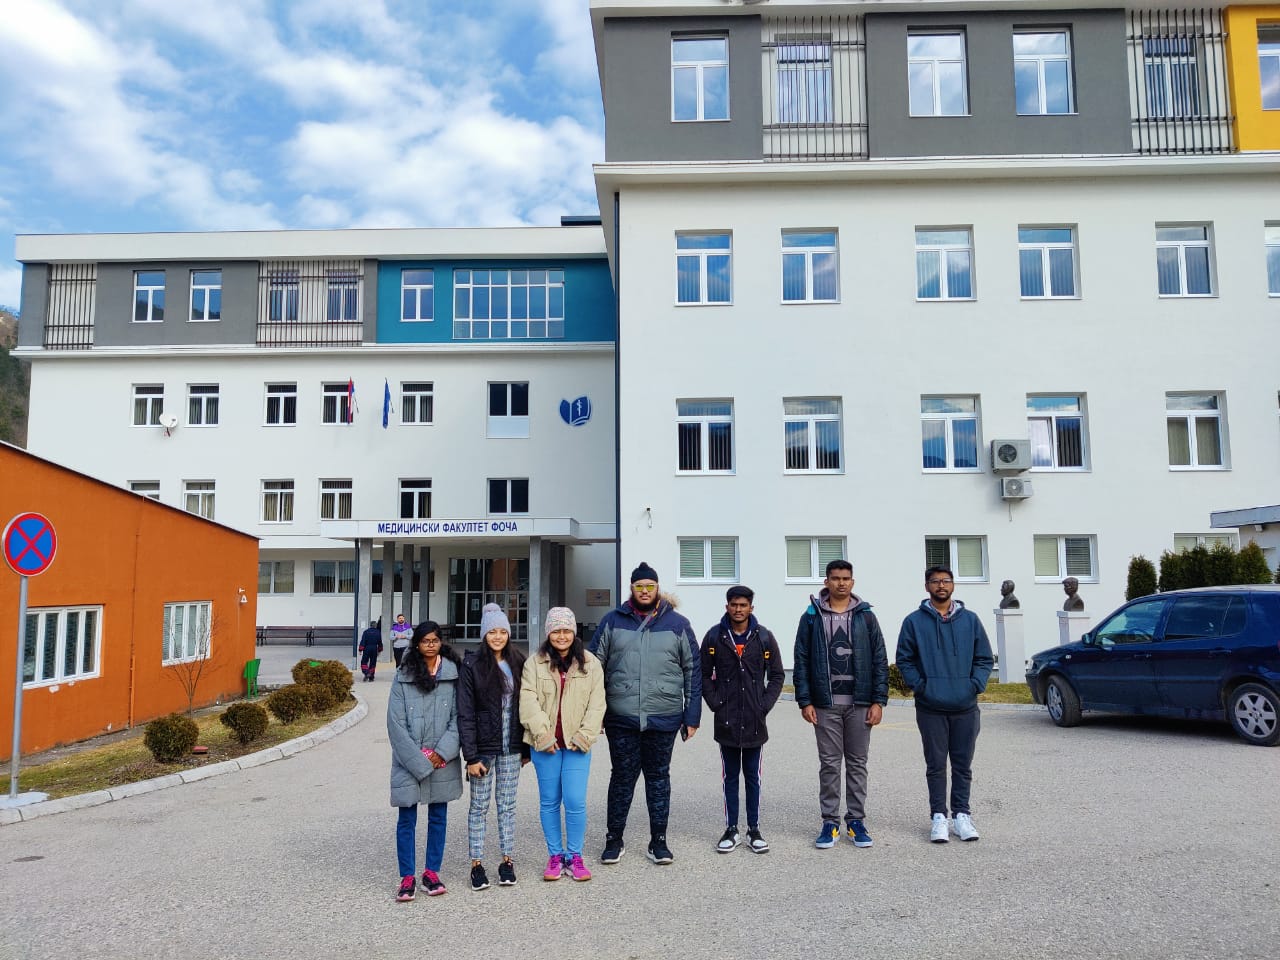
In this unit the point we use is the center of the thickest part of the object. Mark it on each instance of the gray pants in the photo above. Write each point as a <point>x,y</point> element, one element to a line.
<point>842,734</point>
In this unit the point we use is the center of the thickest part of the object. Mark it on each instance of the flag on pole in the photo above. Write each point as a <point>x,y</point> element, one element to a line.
<point>351,400</point>
<point>386,402</point>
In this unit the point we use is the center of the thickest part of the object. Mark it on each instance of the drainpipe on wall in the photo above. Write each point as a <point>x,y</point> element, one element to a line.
<point>133,612</point>
<point>617,400</point>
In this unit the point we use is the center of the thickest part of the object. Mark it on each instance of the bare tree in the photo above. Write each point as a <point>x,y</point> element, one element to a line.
<point>189,670</point>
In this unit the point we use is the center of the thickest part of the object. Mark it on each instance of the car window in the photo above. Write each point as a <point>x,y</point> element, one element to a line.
<point>1214,615</point>
<point>1136,623</point>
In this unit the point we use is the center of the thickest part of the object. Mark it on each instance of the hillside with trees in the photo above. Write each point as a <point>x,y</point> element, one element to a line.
<point>15,384</point>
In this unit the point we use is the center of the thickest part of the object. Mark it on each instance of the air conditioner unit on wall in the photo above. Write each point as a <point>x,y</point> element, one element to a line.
<point>1015,488</point>
<point>1010,456</point>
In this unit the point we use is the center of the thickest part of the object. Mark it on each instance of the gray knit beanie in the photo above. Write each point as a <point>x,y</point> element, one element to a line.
<point>492,617</point>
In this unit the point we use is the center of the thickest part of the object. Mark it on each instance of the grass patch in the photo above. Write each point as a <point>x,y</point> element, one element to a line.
<point>90,766</point>
<point>996,692</point>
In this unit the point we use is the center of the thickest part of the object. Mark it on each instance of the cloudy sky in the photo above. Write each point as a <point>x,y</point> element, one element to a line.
<point>125,115</point>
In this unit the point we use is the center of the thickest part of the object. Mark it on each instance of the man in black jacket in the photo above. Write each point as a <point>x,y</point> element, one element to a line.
<point>742,678</point>
<point>841,674</point>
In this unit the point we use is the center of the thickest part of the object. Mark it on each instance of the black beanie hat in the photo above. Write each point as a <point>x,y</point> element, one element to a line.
<point>644,572</point>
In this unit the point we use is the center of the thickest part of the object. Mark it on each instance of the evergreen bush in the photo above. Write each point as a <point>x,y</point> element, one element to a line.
<point>1220,566</point>
<point>289,703</point>
<point>897,685</point>
<point>333,674</point>
<point>1251,565</point>
<point>1142,578</point>
<point>248,721</point>
<point>320,697</point>
<point>171,738</point>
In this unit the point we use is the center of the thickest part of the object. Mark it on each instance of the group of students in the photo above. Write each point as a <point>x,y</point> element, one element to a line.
<point>642,683</point>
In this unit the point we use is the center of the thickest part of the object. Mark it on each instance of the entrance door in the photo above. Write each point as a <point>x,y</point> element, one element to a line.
<point>473,583</point>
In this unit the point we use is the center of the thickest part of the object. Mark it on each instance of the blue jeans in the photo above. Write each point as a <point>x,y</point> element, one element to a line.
<point>562,780</point>
<point>406,837</point>
<point>747,762</point>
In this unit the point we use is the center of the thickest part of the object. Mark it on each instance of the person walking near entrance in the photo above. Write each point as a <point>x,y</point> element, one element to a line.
<point>401,634</point>
<point>370,647</point>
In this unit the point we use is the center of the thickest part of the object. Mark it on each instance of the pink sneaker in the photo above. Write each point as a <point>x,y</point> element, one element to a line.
<point>554,867</point>
<point>431,884</point>
<point>577,869</point>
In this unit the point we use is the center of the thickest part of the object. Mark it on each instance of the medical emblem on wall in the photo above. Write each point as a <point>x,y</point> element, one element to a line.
<point>575,412</point>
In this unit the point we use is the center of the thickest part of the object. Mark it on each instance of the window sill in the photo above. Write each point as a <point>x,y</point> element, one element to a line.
<point>805,303</point>
<point>927,471</point>
<point>1057,581</point>
<point>1065,113</point>
<point>940,116</point>
<point>279,424</point>
<point>700,120</point>
<point>69,681</point>
<point>704,303</point>
<point>813,473</point>
<point>417,319</point>
<point>1075,296</point>
<point>1187,296</point>
<point>1196,468</point>
<point>1061,470</point>
<point>210,320</point>
<point>707,583</point>
<point>706,473</point>
<point>946,299</point>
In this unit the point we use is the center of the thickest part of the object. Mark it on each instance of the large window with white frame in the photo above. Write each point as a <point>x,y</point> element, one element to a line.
<point>810,266</point>
<point>708,560</point>
<point>202,404</point>
<point>281,405</point>
<point>1189,541</point>
<point>1058,557</point>
<point>206,295</point>
<point>335,499</point>
<point>333,577</point>
<point>198,497</point>
<point>1196,428</point>
<point>508,496</point>
<point>704,436</point>
<point>342,290</point>
<point>275,577</point>
<point>1269,64</point>
<point>1047,263</point>
<point>1272,239</point>
<point>937,79</point>
<point>508,304</point>
<point>60,643</point>
<point>148,296</point>
<point>965,557</point>
<point>148,404</point>
<point>508,410</point>
<point>1184,260</point>
<point>804,79</point>
<point>1042,72</point>
<point>1056,426</point>
<point>415,498</point>
<point>949,433</point>
<point>277,501</point>
<point>1172,74</point>
<point>811,440</point>
<point>188,632</point>
<point>807,557</point>
<point>417,294</point>
<point>335,404</point>
<point>417,402</point>
<point>704,268</point>
<point>699,78</point>
<point>283,293</point>
<point>944,263</point>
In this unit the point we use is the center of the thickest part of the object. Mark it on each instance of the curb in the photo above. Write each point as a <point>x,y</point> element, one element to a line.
<point>278,752</point>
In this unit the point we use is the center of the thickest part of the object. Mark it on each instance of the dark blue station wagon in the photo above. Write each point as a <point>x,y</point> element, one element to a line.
<point>1211,654</point>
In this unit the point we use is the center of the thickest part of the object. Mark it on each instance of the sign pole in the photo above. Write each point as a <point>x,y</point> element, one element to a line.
<point>17,692</point>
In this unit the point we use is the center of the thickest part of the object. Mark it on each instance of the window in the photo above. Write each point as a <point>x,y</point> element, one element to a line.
<point>508,410</point>
<point>700,78</point>
<point>197,497</point>
<point>188,633</point>
<point>811,435</point>
<point>1042,73</point>
<point>343,289</point>
<point>330,577</point>
<point>282,296</point>
<point>709,559</point>
<point>277,501</point>
<point>1056,428</point>
<point>944,264</point>
<point>1183,260</point>
<point>1206,616</point>
<point>809,263</point>
<point>804,80</point>
<point>703,268</point>
<point>1269,64</point>
<point>965,556</point>
<point>1172,77</point>
<point>704,436</point>
<point>148,296</point>
<point>1059,557</point>
<point>148,404</point>
<point>206,295</point>
<point>508,304</point>
<point>415,499</point>
<point>146,488</point>
<point>1047,262</point>
<point>202,405</point>
<point>417,402</point>
<point>938,86</point>
<point>336,403</point>
<point>282,404</point>
<point>1273,258</point>
<point>949,433</point>
<point>275,576</point>
<point>335,499</point>
<point>1189,541</point>
<point>509,496</point>
<point>60,644</point>
<point>807,557</point>
<point>417,295</point>
<point>1195,430</point>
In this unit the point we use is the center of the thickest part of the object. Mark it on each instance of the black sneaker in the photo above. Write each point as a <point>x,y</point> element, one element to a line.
<point>613,849</point>
<point>658,850</point>
<point>728,840</point>
<point>405,893</point>
<point>479,879</point>
<point>756,842</point>
<point>506,874</point>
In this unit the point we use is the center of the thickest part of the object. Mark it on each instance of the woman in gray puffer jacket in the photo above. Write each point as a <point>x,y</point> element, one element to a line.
<point>422,725</point>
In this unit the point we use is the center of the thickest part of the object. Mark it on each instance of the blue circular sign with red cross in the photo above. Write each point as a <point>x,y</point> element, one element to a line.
<point>29,544</point>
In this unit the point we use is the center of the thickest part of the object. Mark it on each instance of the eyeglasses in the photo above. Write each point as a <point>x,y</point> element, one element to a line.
<point>941,583</point>
<point>644,587</point>
<point>434,641</point>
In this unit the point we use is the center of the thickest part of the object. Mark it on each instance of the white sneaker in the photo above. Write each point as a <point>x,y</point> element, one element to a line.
<point>964,828</point>
<point>938,831</point>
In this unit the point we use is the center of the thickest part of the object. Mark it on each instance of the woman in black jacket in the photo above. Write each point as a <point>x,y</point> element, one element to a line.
<point>492,741</point>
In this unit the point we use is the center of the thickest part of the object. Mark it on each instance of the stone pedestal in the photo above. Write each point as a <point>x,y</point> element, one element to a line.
<point>1011,646</point>
<point>1071,624</point>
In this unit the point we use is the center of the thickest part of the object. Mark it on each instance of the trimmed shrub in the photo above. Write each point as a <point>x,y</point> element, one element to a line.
<point>1220,566</point>
<point>1142,578</point>
<point>1251,565</point>
<point>897,686</point>
<point>1173,571</point>
<point>320,697</point>
<point>330,673</point>
<point>171,738</point>
<point>248,721</point>
<point>289,703</point>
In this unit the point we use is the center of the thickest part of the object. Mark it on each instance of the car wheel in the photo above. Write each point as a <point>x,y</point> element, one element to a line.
<point>1062,702</point>
<point>1254,712</point>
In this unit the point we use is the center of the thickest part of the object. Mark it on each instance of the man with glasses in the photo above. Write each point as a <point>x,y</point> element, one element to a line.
<point>653,690</point>
<point>944,656</point>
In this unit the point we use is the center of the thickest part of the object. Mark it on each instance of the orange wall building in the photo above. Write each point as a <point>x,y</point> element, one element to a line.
<point>136,592</point>
<point>1252,37</point>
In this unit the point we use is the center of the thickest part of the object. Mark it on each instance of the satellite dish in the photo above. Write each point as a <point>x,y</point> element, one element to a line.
<point>168,421</point>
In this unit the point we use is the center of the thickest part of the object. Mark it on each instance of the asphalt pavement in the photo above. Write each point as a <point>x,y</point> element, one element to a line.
<point>1119,838</point>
